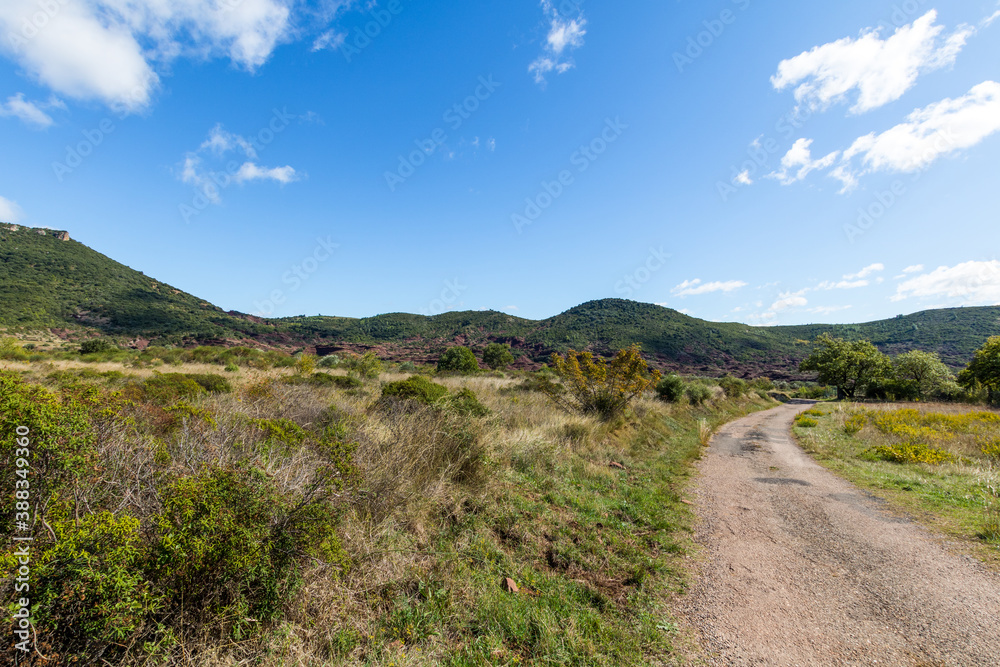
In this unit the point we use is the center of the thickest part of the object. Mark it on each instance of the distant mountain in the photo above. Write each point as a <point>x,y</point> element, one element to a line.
<point>49,281</point>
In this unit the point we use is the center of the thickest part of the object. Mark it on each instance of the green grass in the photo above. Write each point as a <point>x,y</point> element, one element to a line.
<point>957,496</point>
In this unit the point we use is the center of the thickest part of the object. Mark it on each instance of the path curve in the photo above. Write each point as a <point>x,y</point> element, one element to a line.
<point>803,568</point>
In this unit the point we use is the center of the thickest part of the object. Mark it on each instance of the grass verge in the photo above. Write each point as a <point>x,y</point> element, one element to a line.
<point>938,463</point>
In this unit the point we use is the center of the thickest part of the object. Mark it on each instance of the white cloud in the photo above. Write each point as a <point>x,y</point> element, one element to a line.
<point>696,286</point>
<point>799,160</point>
<point>250,171</point>
<point>9,210</point>
<point>331,39</point>
<point>743,178</point>
<point>842,284</point>
<point>988,21</point>
<point>939,129</point>
<point>826,310</point>
<point>969,283</point>
<point>916,268</point>
<point>564,36</point>
<point>880,70</point>
<point>865,272</point>
<point>109,50</point>
<point>31,113</point>
<point>788,300</point>
<point>217,146</point>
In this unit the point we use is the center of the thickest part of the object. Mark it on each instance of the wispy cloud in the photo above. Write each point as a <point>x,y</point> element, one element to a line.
<point>218,145</point>
<point>968,283</point>
<point>564,36</point>
<point>696,286</point>
<point>878,70</point>
<point>9,210</point>
<point>797,163</point>
<point>30,113</point>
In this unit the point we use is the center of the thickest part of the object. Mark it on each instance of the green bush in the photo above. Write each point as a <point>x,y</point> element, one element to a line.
<point>806,422</point>
<point>91,591</point>
<point>96,346</point>
<point>329,361</point>
<point>230,546</point>
<point>407,367</point>
<point>215,384</point>
<point>231,367</point>
<point>11,350</point>
<point>670,388</point>
<point>540,382</point>
<point>459,359</point>
<point>497,356</point>
<point>417,388</point>
<point>734,387</point>
<point>170,387</point>
<point>328,380</point>
<point>761,384</point>
<point>698,394</point>
<point>465,402</point>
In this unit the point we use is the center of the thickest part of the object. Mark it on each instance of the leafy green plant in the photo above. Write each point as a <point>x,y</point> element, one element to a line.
<point>670,388</point>
<point>11,350</point>
<point>497,356</point>
<point>806,422</point>
<point>602,387</point>
<point>96,346</point>
<point>215,384</point>
<point>368,366</point>
<point>465,402</point>
<point>698,394</point>
<point>171,387</point>
<point>417,388</point>
<point>459,359</point>
<point>734,387</point>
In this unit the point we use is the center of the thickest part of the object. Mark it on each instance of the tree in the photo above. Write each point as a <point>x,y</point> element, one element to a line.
<point>497,356</point>
<point>850,366</point>
<point>368,366</point>
<point>600,386</point>
<point>734,387</point>
<point>984,370</point>
<point>458,358</point>
<point>670,388</point>
<point>924,371</point>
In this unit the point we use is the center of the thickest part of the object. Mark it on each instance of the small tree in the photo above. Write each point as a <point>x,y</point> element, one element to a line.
<point>734,387</point>
<point>96,345</point>
<point>458,358</point>
<point>850,366</point>
<point>368,366</point>
<point>924,371</point>
<point>670,388</point>
<point>600,386</point>
<point>984,370</point>
<point>497,356</point>
<point>305,364</point>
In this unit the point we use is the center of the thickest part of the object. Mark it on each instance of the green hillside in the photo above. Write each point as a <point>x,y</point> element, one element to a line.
<point>47,282</point>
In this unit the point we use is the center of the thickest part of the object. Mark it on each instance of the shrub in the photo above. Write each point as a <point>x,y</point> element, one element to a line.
<point>407,367</point>
<point>762,384</point>
<point>854,424</point>
<point>813,412</point>
<point>215,384</point>
<point>464,402</point>
<point>670,388</point>
<point>231,367</point>
<point>305,364</point>
<point>734,387</point>
<point>11,350</point>
<point>911,452</point>
<point>497,356</point>
<point>328,380</point>
<point>459,358</point>
<point>170,387</point>
<point>602,387</point>
<point>698,394</point>
<point>368,366</point>
<point>229,545</point>
<point>541,382</point>
<point>806,422</point>
<point>96,346</point>
<point>91,592</point>
<point>330,361</point>
<point>417,388</point>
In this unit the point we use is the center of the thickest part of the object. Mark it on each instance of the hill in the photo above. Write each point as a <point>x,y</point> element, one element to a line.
<point>49,281</point>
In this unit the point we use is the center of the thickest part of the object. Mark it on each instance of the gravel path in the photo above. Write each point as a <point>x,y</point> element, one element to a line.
<point>803,568</point>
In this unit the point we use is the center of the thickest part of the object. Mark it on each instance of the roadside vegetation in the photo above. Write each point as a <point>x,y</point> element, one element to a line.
<point>215,506</point>
<point>938,462</point>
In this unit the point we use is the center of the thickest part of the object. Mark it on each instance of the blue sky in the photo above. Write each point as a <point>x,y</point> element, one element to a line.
<point>771,163</point>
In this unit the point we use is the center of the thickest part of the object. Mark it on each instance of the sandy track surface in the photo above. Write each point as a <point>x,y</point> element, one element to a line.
<point>802,568</point>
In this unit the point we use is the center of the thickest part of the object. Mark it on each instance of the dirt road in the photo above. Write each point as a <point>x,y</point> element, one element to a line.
<point>802,568</point>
